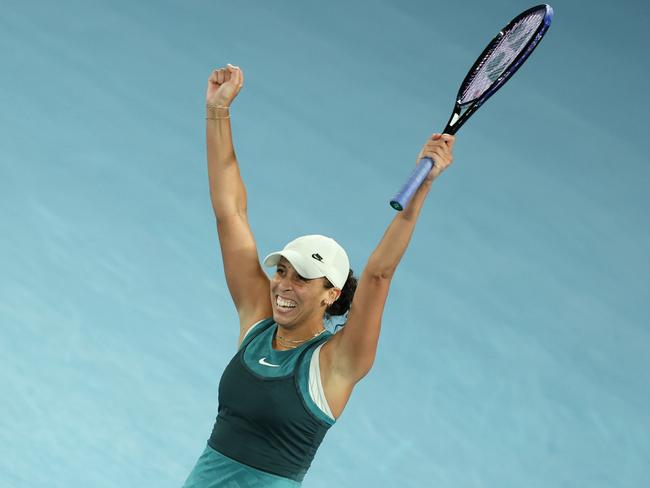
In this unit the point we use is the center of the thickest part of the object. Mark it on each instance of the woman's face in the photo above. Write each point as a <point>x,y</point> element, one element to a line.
<point>296,299</point>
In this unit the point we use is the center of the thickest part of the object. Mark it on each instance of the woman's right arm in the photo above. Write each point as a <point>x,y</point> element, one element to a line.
<point>247,281</point>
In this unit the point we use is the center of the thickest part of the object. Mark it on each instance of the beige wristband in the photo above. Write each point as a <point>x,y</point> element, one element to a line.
<point>213,113</point>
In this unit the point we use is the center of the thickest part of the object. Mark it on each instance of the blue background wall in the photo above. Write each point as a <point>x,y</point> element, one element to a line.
<point>515,348</point>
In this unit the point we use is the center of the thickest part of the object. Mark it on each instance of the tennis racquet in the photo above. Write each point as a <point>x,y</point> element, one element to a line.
<point>497,63</point>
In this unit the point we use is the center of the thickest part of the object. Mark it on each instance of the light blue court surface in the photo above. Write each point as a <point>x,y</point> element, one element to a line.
<point>515,349</point>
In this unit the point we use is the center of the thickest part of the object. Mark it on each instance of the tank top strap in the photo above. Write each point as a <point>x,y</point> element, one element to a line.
<point>310,347</point>
<point>257,330</point>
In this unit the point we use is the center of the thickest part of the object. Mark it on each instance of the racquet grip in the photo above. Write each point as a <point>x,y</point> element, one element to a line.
<point>404,195</point>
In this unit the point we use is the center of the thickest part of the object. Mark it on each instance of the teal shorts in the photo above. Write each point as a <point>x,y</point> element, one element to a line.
<point>214,470</point>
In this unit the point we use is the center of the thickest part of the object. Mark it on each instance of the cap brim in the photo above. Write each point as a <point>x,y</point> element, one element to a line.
<point>272,259</point>
<point>305,268</point>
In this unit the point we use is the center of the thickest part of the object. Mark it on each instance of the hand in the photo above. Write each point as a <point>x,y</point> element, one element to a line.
<point>439,148</point>
<point>224,85</point>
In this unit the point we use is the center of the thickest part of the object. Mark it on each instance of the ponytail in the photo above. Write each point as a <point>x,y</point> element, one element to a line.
<point>342,305</point>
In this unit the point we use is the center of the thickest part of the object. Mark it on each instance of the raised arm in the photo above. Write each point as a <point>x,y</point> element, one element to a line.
<point>355,346</point>
<point>247,282</point>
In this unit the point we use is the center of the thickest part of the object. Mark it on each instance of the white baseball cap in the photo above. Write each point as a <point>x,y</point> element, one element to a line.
<point>315,256</point>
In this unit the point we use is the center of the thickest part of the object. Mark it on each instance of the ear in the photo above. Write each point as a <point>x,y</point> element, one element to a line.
<point>333,294</point>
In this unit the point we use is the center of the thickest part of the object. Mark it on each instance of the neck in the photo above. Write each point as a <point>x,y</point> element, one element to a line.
<point>288,337</point>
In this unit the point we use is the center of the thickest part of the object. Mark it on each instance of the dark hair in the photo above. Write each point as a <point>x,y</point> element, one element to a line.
<point>342,305</point>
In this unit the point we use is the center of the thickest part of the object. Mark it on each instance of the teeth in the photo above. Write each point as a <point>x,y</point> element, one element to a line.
<point>284,303</point>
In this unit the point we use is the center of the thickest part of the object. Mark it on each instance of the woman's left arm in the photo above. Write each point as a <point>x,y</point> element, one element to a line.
<point>354,347</point>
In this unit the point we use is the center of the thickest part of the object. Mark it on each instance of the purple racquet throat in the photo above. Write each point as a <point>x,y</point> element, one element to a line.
<point>497,63</point>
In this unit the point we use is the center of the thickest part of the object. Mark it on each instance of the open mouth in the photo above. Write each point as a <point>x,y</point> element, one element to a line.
<point>284,304</point>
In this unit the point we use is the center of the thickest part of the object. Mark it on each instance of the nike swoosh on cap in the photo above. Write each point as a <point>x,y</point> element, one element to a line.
<point>264,363</point>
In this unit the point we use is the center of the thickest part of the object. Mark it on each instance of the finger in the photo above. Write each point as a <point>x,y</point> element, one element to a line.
<point>238,76</point>
<point>437,154</point>
<point>449,139</point>
<point>439,145</point>
<point>235,75</point>
<point>221,76</point>
<point>440,156</point>
<point>437,141</point>
<point>230,72</point>
<point>444,159</point>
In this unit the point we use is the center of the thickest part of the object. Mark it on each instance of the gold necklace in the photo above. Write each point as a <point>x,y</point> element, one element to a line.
<point>293,343</point>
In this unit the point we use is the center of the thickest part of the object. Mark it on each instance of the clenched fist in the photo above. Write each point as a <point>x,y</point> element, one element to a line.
<point>224,85</point>
<point>439,147</point>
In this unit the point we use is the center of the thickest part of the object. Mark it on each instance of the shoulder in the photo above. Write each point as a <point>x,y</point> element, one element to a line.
<point>256,328</point>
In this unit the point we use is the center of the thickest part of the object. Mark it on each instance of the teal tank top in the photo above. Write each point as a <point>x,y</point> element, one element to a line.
<point>266,418</point>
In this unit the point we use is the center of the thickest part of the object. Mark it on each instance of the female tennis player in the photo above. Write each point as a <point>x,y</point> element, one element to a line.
<point>291,378</point>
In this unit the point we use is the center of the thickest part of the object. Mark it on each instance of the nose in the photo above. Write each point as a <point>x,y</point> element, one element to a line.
<point>283,282</point>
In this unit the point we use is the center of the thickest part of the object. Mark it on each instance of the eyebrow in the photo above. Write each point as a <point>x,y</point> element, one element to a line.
<point>281,265</point>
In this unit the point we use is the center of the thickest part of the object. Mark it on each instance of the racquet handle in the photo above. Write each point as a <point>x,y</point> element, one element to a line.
<point>404,195</point>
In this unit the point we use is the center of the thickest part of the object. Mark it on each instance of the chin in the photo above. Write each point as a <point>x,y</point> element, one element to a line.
<point>277,318</point>
<point>280,320</point>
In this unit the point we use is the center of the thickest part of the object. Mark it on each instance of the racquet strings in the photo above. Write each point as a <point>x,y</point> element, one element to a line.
<point>500,55</point>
